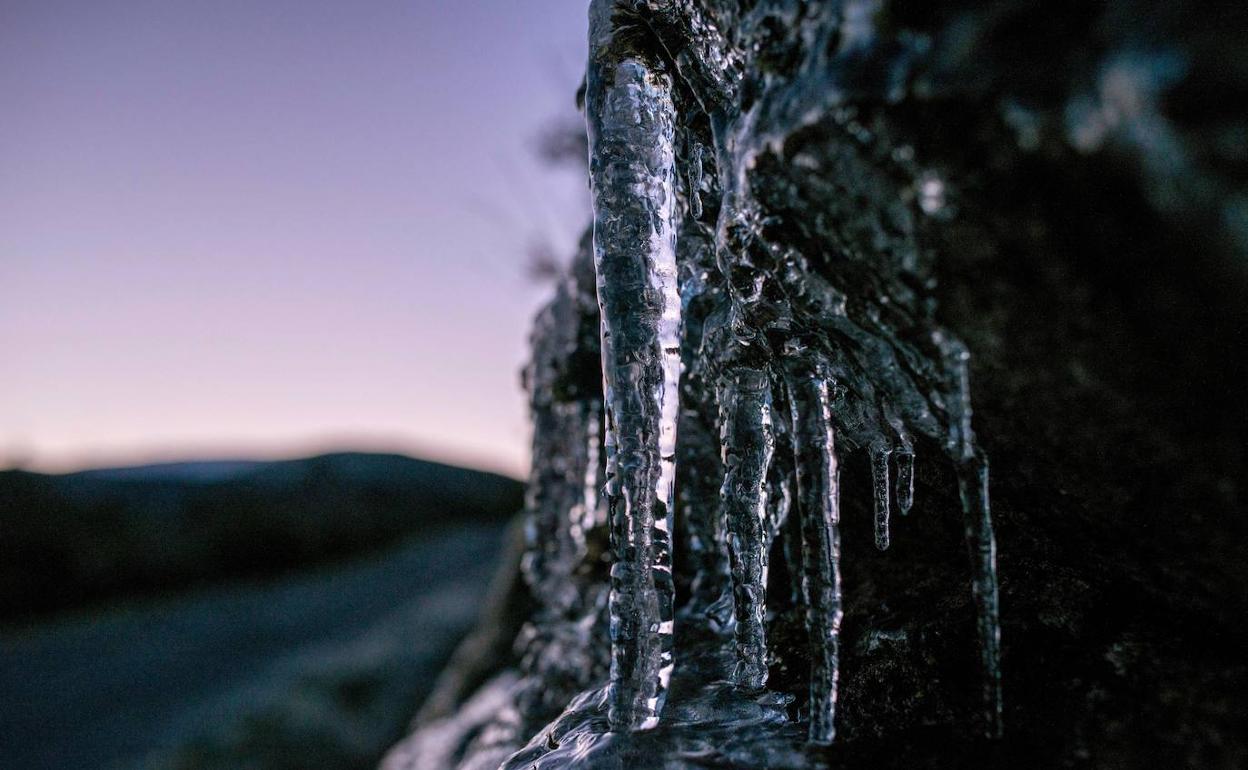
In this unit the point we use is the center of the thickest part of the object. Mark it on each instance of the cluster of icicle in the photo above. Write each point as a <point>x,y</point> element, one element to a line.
<point>695,386</point>
<point>797,381</point>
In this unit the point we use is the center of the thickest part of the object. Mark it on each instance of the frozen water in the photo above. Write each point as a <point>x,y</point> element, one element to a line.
<point>712,377</point>
<point>631,122</point>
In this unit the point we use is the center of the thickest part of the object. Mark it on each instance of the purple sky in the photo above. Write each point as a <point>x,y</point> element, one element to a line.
<point>263,227</point>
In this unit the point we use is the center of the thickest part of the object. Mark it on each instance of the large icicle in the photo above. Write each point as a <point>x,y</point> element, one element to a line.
<point>748,443</point>
<point>631,124</point>
<point>818,499</point>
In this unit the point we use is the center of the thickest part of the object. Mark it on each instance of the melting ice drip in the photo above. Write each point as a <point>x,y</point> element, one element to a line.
<point>777,339</point>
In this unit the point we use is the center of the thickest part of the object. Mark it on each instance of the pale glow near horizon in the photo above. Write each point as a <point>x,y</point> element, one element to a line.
<point>240,229</point>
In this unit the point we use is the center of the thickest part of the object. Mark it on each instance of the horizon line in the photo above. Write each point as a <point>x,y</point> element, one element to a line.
<point>226,451</point>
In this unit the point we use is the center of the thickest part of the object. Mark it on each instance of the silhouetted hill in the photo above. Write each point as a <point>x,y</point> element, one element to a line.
<point>69,539</point>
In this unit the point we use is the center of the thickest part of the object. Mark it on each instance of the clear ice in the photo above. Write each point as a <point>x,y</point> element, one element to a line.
<point>818,494</point>
<point>631,121</point>
<point>747,441</point>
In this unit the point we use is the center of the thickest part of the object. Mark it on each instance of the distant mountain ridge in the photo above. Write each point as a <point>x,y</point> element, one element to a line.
<point>72,538</point>
<point>192,470</point>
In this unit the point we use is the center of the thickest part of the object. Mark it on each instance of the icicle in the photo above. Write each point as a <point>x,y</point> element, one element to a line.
<point>818,500</point>
<point>980,539</point>
<point>631,125</point>
<point>879,488</point>
<point>748,444</point>
<point>904,458</point>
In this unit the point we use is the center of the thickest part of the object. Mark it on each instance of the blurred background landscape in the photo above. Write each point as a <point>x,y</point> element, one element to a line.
<point>266,276</point>
<point>235,614</point>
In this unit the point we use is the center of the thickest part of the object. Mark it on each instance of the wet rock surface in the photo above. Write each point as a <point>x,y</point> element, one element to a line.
<point>1060,189</point>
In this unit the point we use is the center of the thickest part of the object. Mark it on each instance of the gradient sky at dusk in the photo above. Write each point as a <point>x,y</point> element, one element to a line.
<point>263,227</point>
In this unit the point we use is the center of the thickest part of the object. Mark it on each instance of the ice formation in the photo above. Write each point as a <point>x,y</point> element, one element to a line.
<point>710,362</point>
<point>778,326</point>
<point>632,171</point>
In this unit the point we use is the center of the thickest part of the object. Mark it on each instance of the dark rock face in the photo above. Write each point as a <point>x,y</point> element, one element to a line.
<point>1063,189</point>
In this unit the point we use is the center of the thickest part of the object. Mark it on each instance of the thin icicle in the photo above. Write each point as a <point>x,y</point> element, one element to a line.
<point>880,491</point>
<point>818,498</point>
<point>904,458</point>
<point>631,125</point>
<point>980,539</point>
<point>748,443</point>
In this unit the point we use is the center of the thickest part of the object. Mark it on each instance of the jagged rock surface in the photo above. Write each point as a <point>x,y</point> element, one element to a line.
<point>862,191</point>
